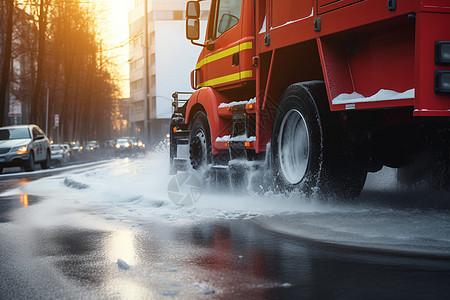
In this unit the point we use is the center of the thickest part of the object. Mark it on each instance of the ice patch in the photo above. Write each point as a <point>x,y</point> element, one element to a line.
<point>381,95</point>
<point>69,182</point>
<point>122,264</point>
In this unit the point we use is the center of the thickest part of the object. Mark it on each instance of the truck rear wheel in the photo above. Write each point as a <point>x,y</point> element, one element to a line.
<point>200,142</point>
<point>309,149</point>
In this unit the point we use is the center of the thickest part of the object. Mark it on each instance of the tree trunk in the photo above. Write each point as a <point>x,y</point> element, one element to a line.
<point>35,101</point>
<point>7,60</point>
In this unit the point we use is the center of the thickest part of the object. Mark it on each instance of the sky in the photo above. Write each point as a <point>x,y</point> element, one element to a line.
<point>114,16</point>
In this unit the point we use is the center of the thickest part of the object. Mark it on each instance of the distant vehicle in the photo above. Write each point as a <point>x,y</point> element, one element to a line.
<point>110,143</point>
<point>124,145</point>
<point>69,150</point>
<point>60,154</point>
<point>92,146</point>
<point>24,146</point>
<point>139,146</point>
<point>76,147</point>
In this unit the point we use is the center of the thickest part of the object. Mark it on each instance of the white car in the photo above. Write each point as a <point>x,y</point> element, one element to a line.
<point>60,154</point>
<point>24,145</point>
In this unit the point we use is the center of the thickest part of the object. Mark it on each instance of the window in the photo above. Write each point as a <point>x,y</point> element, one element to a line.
<point>138,2</point>
<point>137,64</point>
<point>14,134</point>
<point>138,84</point>
<point>138,106</point>
<point>178,15</point>
<point>137,42</point>
<point>35,133</point>
<point>227,15</point>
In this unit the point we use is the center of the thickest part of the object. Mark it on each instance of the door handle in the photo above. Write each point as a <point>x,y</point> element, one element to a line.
<point>235,59</point>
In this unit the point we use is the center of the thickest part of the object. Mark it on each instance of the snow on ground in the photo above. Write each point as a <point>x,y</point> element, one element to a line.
<point>134,192</point>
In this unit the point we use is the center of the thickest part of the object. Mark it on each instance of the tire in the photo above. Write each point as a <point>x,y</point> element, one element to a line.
<point>30,164</point>
<point>200,142</point>
<point>309,148</point>
<point>47,162</point>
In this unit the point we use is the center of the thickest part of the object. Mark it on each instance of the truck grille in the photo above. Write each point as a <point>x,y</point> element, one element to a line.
<point>4,150</point>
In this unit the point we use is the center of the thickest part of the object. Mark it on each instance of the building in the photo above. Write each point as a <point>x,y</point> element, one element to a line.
<point>171,58</point>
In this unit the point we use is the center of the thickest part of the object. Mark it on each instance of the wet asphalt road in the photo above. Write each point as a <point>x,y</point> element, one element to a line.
<point>211,260</point>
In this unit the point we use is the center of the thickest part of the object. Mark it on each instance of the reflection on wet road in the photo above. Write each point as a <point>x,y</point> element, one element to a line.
<point>220,260</point>
<point>113,234</point>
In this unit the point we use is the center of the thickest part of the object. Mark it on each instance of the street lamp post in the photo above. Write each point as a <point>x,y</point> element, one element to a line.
<point>146,77</point>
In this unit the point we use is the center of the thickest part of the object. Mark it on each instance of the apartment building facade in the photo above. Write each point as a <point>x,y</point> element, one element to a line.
<point>171,58</point>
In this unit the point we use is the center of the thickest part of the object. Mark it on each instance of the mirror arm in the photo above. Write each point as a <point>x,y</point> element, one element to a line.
<point>197,44</point>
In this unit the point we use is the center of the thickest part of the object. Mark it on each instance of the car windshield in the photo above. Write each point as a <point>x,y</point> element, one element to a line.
<point>14,134</point>
<point>56,147</point>
<point>122,141</point>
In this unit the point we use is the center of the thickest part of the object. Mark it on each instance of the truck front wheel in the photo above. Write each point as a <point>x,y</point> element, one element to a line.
<point>200,142</point>
<point>309,149</point>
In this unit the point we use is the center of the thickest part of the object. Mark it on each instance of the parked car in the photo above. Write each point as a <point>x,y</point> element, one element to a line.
<point>60,155</point>
<point>24,145</point>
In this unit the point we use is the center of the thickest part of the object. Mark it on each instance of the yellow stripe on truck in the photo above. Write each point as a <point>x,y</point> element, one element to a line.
<point>224,53</point>
<point>227,78</point>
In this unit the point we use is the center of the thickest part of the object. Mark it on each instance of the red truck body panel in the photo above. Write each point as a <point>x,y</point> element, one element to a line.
<point>354,46</point>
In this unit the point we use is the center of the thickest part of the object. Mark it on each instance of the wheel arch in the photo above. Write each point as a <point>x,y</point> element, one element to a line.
<point>207,100</point>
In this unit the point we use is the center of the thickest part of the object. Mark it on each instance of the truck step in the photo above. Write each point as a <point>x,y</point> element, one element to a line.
<point>226,110</point>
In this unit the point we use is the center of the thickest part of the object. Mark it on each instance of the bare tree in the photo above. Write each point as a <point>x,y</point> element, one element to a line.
<point>35,100</point>
<point>6,64</point>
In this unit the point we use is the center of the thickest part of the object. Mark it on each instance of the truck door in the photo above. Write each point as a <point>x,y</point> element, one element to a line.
<point>220,60</point>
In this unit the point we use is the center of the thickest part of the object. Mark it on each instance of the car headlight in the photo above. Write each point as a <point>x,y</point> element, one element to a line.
<point>21,150</point>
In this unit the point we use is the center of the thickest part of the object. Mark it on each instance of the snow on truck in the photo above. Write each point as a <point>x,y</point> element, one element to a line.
<point>318,92</point>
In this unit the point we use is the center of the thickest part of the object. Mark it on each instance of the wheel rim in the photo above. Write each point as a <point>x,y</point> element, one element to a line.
<point>199,149</point>
<point>293,146</point>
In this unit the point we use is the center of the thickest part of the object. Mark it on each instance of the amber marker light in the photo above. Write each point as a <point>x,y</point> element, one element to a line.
<point>174,129</point>
<point>247,144</point>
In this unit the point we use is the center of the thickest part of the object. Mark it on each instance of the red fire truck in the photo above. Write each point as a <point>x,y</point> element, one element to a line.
<point>319,92</point>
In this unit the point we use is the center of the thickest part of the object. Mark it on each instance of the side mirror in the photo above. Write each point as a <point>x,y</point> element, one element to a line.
<point>193,22</point>
<point>192,29</point>
<point>193,10</point>
<point>40,137</point>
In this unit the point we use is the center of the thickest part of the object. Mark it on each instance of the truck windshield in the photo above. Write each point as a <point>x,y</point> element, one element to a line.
<point>14,134</point>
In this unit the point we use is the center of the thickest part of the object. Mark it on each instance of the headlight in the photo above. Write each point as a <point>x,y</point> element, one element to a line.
<point>21,150</point>
<point>117,146</point>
